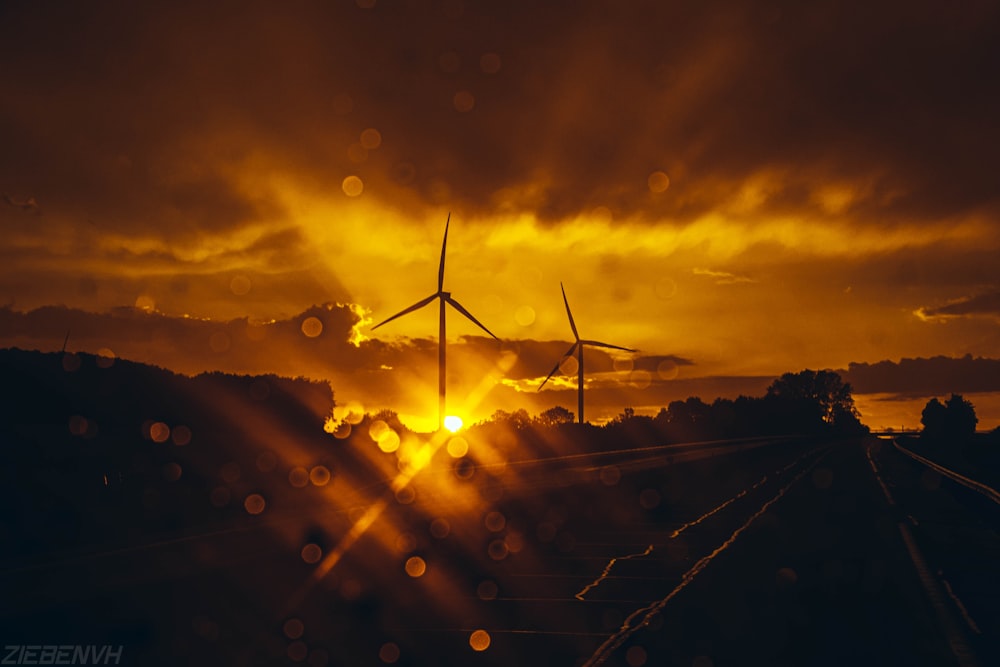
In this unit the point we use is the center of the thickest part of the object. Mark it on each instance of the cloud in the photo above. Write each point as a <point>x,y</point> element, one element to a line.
<point>723,277</point>
<point>935,376</point>
<point>159,111</point>
<point>28,205</point>
<point>981,305</point>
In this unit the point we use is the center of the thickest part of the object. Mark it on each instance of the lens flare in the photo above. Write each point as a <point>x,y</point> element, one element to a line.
<point>159,432</point>
<point>311,553</point>
<point>416,566</point>
<point>254,503</point>
<point>389,653</point>
<point>312,327</point>
<point>658,182</point>
<point>371,138</point>
<point>479,640</point>
<point>294,628</point>
<point>352,186</point>
<point>320,476</point>
<point>464,101</point>
<point>457,447</point>
<point>298,477</point>
<point>181,435</point>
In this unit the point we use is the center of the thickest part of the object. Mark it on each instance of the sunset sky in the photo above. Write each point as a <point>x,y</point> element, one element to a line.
<point>736,189</point>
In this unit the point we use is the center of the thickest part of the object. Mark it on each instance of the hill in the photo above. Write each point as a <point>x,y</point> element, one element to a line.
<point>95,449</point>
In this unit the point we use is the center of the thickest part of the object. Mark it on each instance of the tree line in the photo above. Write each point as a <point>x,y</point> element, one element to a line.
<point>805,403</point>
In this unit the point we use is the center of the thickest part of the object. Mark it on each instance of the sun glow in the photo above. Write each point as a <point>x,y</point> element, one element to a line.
<point>453,423</point>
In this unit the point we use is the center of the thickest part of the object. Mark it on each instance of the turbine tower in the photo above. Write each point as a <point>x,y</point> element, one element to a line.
<point>443,297</point>
<point>578,349</point>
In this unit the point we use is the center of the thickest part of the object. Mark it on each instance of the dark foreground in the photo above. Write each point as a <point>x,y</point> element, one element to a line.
<point>784,554</point>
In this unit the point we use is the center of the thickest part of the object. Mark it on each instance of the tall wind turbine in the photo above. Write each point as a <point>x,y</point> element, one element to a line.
<point>578,349</point>
<point>443,297</point>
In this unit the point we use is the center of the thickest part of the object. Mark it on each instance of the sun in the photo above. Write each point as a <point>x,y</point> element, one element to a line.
<point>453,423</point>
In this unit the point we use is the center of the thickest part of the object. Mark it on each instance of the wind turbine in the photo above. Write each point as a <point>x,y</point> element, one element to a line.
<point>443,297</point>
<point>578,348</point>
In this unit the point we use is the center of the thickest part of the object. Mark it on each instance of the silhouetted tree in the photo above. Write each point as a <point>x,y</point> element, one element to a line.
<point>555,416</point>
<point>934,417</point>
<point>724,417</point>
<point>816,398</point>
<point>391,418</point>
<point>686,420</point>
<point>630,429</point>
<point>961,416</point>
<point>518,419</point>
<point>955,418</point>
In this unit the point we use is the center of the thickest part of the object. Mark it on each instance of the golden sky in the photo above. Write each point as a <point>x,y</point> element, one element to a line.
<point>743,188</point>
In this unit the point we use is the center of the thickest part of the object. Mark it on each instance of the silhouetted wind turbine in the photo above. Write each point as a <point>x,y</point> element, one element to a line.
<point>578,348</point>
<point>443,297</point>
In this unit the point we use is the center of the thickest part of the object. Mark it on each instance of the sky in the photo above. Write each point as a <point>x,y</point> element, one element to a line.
<point>735,189</point>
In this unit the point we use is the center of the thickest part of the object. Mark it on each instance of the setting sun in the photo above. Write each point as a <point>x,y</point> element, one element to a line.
<point>453,423</point>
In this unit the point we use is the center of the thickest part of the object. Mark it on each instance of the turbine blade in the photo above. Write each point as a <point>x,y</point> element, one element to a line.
<point>572,324</point>
<point>417,306</point>
<point>457,306</point>
<point>444,244</point>
<point>564,358</point>
<point>594,343</point>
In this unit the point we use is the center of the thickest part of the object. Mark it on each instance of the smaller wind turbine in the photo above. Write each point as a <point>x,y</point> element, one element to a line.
<point>443,297</point>
<point>578,349</point>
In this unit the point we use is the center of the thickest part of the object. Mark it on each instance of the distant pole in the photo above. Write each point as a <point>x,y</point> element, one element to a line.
<point>441,369</point>
<point>579,381</point>
<point>65,340</point>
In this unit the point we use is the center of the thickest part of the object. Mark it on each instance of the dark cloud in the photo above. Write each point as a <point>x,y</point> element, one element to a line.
<point>133,112</point>
<point>934,376</point>
<point>192,345</point>
<point>662,364</point>
<point>28,205</point>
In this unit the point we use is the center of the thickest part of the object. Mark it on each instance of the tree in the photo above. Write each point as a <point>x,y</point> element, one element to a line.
<point>817,395</point>
<point>684,420</point>
<point>518,419</point>
<point>555,416</point>
<point>955,418</point>
<point>934,417</point>
<point>962,418</point>
<point>692,412</point>
<point>390,417</point>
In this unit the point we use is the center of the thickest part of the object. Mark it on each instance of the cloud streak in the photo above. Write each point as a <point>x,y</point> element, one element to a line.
<point>722,277</point>
<point>981,305</point>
